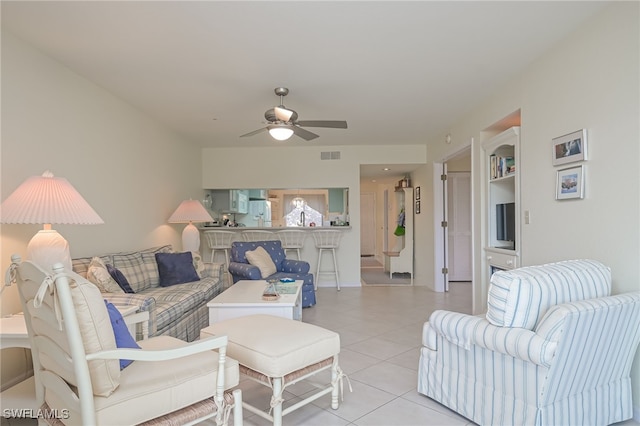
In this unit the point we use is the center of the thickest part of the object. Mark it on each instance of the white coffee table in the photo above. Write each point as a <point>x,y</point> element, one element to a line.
<point>245,298</point>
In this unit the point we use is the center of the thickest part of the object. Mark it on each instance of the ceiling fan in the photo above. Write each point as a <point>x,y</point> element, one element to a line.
<point>283,122</point>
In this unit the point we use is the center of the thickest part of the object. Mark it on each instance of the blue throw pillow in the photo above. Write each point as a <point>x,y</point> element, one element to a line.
<point>121,331</point>
<point>176,268</point>
<point>122,281</point>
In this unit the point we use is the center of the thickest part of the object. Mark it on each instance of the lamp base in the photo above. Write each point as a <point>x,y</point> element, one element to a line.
<point>47,248</point>
<point>191,238</point>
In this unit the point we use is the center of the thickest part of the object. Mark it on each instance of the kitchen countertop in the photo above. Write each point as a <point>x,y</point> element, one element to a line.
<point>271,228</point>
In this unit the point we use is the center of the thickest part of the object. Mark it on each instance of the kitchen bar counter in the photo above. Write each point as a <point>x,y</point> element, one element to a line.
<point>308,251</point>
<point>271,228</point>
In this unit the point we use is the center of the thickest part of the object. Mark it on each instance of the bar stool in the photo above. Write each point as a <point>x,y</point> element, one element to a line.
<point>327,240</point>
<point>292,239</point>
<point>257,235</point>
<point>220,241</point>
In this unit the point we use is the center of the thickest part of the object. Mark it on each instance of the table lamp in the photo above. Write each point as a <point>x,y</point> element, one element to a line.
<point>48,200</point>
<point>190,211</point>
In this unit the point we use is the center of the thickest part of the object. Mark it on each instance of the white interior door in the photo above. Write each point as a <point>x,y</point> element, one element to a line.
<point>367,224</point>
<point>459,226</point>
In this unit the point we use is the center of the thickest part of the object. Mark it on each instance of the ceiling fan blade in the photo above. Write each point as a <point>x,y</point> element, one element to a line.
<point>304,134</point>
<point>282,113</point>
<point>333,124</point>
<point>255,132</point>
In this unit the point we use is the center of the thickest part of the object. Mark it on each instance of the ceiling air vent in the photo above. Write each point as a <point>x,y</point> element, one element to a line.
<point>330,155</point>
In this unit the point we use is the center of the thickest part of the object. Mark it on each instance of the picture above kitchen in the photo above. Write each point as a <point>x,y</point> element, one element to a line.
<point>267,208</point>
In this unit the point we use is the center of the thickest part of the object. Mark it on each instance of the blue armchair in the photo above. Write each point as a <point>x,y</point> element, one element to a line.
<point>241,269</point>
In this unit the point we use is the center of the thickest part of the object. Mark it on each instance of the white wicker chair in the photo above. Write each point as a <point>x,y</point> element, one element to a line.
<point>327,240</point>
<point>76,367</point>
<point>292,239</point>
<point>257,235</point>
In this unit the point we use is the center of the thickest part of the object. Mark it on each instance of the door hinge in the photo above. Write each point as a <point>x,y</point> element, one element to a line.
<point>444,224</point>
<point>445,270</point>
<point>443,177</point>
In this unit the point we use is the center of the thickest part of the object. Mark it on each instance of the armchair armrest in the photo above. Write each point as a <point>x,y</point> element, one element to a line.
<point>146,304</point>
<point>295,266</point>
<point>244,271</point>
<point>202,345</point>
<point>466,331</point>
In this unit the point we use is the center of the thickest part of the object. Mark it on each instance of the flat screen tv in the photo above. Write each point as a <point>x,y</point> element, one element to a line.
<point>506,223</point>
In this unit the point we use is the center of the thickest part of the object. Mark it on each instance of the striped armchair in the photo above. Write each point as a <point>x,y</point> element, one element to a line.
<point>554,348</point>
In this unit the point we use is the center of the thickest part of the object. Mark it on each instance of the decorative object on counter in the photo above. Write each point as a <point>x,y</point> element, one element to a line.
<point>48,200</point>
<point>190,211</point>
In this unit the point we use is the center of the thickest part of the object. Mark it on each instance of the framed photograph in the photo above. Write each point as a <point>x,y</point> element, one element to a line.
<point>570,148</point>
<point>418,207</point>
<point>417,193</point>
<point>570,183</point>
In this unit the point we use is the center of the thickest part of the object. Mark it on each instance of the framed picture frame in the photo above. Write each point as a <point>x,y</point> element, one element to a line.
<point>417,193</point>
<point>418,207</point>
<point>570,148</point>
<point>570,183</point>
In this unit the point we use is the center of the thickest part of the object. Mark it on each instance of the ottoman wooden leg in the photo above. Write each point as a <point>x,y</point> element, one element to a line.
<point>335,378</point>
<point>276,401</point>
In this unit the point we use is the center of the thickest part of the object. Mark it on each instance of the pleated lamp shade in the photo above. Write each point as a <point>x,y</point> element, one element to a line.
<point>48,200</point>
<point>190,211</point>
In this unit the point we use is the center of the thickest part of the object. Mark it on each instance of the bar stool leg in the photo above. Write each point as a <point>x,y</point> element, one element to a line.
<point>335,268</point>
<point>317,277</point>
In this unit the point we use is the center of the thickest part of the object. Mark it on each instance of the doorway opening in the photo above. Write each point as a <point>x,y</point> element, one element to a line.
<point>453,212</point>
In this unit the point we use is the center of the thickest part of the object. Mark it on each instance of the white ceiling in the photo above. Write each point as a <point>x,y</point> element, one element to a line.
<point>397,72</point>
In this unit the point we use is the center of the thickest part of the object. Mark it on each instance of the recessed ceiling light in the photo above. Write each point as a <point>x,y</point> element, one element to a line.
<point>386,169</point>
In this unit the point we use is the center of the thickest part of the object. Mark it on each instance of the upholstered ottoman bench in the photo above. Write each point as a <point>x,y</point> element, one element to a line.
<point>279,352</point>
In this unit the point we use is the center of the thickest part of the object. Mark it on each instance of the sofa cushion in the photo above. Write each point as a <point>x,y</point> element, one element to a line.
<point>260,258</point>
<point>140,267</point>
<point>121,332</point>
<point>119,277</point>
<point>99,275</point>
<point>176,268</point>
<point>173,302</point>
<point>520,297</point>
<point>198,264</point>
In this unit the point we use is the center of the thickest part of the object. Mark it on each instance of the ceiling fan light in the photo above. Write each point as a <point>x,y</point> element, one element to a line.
<point>280,133</point>
<point>282,114</point>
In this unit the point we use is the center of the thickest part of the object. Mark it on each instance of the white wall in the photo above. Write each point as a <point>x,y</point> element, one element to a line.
<point>133,172</point>
<point>590,80</point>
<point>301,167</point>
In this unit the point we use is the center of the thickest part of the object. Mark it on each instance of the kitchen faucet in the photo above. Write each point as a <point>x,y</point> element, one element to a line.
<point>302,217</point>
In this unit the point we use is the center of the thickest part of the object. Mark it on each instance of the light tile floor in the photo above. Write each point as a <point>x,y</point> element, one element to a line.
<point>380,331</point>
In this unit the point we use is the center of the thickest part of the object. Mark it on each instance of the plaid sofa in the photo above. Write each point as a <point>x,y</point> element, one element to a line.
<point>179,310</point>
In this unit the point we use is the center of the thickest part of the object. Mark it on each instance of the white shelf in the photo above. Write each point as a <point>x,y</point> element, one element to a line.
<point>502,190</point>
